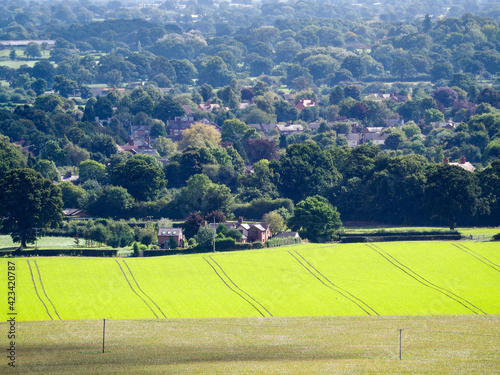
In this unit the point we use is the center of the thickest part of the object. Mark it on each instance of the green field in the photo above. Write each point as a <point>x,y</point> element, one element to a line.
<point>310,345</point>
<point>481,232</point>
<point>397,278</point>
<point>43,243</point>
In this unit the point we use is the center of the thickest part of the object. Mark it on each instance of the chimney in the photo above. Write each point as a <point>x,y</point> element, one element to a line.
<point>240,220</point>
<point>462,160</point>
<point>446,161</point>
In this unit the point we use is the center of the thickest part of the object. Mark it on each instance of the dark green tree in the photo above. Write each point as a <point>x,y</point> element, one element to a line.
<point>143,178</point>
<point>29,201</point>
<point>305,170</point>
<point>451,192</point>
<point>316,219</point>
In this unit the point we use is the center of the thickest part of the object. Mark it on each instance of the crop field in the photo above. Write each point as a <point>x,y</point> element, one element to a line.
<point>382,279</point>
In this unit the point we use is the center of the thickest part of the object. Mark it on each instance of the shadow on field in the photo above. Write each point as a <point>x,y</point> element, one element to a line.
<point>171,355</point>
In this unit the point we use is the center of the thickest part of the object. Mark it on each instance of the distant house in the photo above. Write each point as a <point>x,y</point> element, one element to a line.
<point>258,233</point>
<point>392,122</point>
<point>353,139</point>
<point>289,98</point>
<point>103,91</point>
<point>450,124</point>
<point>187,109</point>
<point>264,128</point>
<point>371,129</point>
<point>305,103</point>
<point>391,96</point>
<point>208,107</point>
<point>166,235</point>
<point>289,129</point>
<point>462,164</point>
<point>74,213</point>
<point>376,138</point>
<point>177,126</point>
<point>140,132</point>
<point>243,228</point>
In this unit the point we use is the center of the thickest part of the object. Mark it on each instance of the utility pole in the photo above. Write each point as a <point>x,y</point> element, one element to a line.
<point>400,342</point>
<point>103,334</point>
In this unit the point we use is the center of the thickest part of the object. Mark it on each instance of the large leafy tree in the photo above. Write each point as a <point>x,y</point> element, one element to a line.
<point>316,219</point>
<point>305,170</point>
<point>200,135</point>
<point>10,156</point>
<point>29,203</point>
<point>142,176</point>
<point>451,192</point>
<point>204,196</point>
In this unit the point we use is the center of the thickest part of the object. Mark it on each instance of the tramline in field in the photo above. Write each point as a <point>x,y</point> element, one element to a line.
<point>397,278</point>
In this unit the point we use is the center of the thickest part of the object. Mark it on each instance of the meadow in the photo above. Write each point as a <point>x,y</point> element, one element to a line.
<point>306,345</point>
<point>382,279</point>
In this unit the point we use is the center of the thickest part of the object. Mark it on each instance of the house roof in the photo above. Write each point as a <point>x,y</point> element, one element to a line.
<point>74,212</point>
<point>169,232</point>
<point>290,128</point>
<point>244,226</point>
<point>258,227</point>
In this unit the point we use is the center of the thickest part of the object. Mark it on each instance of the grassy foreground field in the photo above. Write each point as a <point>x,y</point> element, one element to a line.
<point>321,345</point>
<point>397,278</point>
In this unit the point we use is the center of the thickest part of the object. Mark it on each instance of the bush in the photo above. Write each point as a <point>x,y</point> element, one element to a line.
<point>496,237</point>
<point>257,245</point>
<point>260,206</point>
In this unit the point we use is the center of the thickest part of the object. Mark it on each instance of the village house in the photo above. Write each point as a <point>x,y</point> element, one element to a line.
<point>208,107</point>
<point>289,129</point>
<point>166,237</point>
<point>177,126</point>
<point>462,164</point>
<point>140,132</point>
<point>353,139</point>
<point>258,233</point>
<point>376,138</point>
<point>450,124</point>
<point>391,96</point>
<point>264,128</point>
<point>305,103</point>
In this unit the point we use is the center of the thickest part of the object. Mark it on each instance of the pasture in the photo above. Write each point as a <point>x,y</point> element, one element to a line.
<point>308,345</point>
<point>382,279</point>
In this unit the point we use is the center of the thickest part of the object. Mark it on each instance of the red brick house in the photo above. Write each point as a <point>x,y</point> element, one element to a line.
<point>258,233</point>
<point>165,235</point>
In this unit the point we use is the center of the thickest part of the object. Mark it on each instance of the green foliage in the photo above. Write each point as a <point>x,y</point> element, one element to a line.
<point>28,201</point>
<point>451,192</point>
<point>205,237</point>
<point>142,177</point>
<point>92,170</point>
<point>10,157</point>
<point>315,219</point>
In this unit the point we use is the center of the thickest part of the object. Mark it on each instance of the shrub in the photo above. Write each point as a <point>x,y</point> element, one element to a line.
<point>258,245</point>
<point>496,237</point>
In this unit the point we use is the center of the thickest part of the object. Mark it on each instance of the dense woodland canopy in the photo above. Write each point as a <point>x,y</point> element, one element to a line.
<point>434,61</point>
